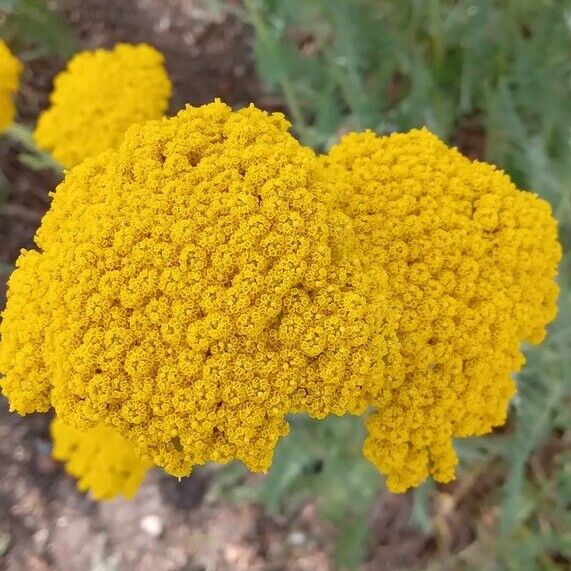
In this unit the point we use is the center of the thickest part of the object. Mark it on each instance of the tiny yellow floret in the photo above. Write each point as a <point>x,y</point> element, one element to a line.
<point>471,262</point>
<point>103,462</point>
<point>98,97</point>
<point>10,70</point>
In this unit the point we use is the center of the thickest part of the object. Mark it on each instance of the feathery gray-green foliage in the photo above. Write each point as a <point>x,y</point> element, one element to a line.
<point>30,24</point>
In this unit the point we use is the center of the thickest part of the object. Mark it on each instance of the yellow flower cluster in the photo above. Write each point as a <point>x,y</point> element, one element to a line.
<point>10,70</point>
<point>192,288</point>
<point>211,275</point>
<point>471,263</point>
<point>104,463</point>
<point>98,97</point>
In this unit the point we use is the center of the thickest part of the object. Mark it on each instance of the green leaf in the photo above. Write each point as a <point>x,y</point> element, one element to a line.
<point>32,24</point>
<point>350,549</point>
<point>34,157</point>
<point>287,466</point>
<point>422,505</point>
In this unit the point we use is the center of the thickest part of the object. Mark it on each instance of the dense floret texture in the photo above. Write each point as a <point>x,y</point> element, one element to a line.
<point>192,288</point>
<point>471,262</point>
<point>98,97</point>
<point>211,275</point>
<point>103,462</point>
<point>10,70</point>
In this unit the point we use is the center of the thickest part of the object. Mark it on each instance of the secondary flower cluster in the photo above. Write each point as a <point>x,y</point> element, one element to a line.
<point>102,461</point>
<point>10,69</point>
<point>470,262</point>
<point>212,275</point>
<point>98,97</point>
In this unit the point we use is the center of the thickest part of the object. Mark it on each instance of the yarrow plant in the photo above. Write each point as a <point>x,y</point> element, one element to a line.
<point>10,70</point>
<point>211,275</point>
<point>98,97</point>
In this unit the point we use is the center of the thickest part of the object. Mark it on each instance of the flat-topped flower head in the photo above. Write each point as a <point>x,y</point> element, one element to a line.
<point>98,97</point>
<point>103,462</point>
<point>10,70</point>
<point>190,289</point>
<point>471,262</point>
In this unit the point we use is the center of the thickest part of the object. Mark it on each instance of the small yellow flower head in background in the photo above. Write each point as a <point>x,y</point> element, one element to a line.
<point>192,288</point>
<point>98,97</point>
<point>10,70</point>
<point>103,463</point>
<point>471,262</point>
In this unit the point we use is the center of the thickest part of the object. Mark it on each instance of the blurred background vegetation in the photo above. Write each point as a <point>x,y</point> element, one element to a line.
<point>494,78</point>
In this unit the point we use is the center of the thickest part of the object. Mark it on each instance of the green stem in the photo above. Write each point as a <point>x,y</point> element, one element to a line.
<point>346,72</point>
<point>23,135</point>
<point>436,31</point>
<point>265,36</point>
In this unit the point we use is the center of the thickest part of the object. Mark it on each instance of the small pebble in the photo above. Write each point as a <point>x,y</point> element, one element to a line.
<point>152,525</point>
<point>4,543</point>
<point>296,538</point>
<point>41,538</point>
